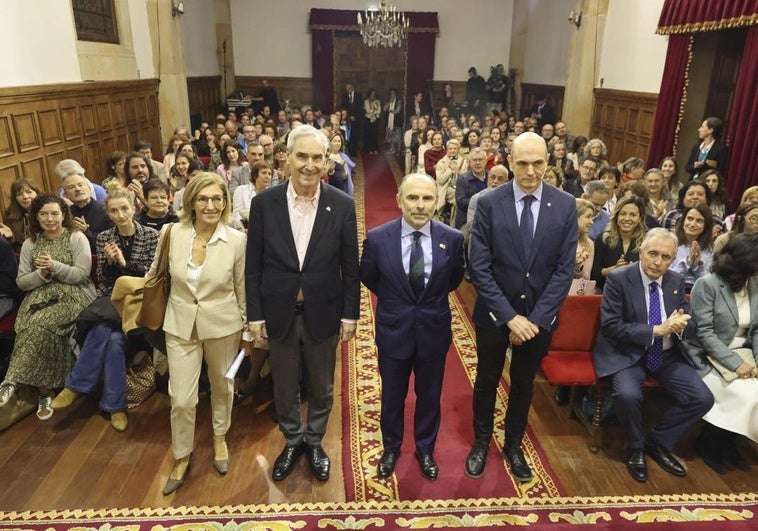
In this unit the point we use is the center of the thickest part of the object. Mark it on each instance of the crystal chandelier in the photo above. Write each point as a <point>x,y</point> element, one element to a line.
<point>385,27</point>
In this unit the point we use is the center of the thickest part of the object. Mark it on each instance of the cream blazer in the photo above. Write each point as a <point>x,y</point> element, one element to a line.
<point>218,309</point>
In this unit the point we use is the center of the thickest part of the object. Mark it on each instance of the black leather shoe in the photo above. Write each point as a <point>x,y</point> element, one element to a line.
<point>518,465</point>
<point>664,458</point>
<point>386,466</point>
<point>710,455</point>
<point>285,463</point>
<point>428,465</point>
<point>319,462</point>
<point>636,465</point>
<point>476,459</point>
<point>562,395</point>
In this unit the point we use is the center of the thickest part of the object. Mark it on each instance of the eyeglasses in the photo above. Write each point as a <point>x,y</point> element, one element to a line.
<point>590,170</point>
<point>752,219</point>
<point>217,201</point>
<point>267,145</point>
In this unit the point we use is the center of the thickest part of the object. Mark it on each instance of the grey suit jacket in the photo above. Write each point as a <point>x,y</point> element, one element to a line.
<point>714,308</point>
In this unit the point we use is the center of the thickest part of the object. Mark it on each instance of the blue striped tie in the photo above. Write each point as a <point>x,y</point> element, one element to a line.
<point>416,265</point>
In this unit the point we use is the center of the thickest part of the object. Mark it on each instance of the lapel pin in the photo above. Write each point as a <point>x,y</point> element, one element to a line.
<point>549,204</point>
<point>443,246</point>
<point>676,291</point>
<point>328,209</point>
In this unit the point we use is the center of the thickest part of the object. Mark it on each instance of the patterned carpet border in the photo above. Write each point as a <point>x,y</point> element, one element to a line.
<point>614,510</point>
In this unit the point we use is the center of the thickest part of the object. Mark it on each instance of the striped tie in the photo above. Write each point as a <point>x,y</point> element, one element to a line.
<point>416,265</point>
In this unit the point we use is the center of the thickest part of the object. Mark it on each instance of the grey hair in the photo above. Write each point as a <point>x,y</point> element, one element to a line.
<point>413,176</point>
<point>659,232</point>
<point>306,130</point>
<point>68,167</point>
<point>593,187</point>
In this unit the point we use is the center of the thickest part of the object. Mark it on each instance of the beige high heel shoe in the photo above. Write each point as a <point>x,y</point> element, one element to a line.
<point>173,484</point>
<point>220,454</point>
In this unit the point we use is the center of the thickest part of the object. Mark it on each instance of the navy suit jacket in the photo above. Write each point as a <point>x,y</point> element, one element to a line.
<point>329,277</point>
<point>405,326</point>
<point>507,282</point>
<point>624,335</point>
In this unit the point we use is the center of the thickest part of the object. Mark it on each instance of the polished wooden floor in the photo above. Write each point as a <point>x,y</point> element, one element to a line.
<point>76,460</point>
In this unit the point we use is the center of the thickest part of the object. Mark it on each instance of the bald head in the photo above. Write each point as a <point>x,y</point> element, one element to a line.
<point>528,161</point>
<point>498,175</point>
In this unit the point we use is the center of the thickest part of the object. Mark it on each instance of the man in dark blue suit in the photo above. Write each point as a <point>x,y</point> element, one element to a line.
<point>411,264</point>
<point>636,339</point>
<point>522,254</point>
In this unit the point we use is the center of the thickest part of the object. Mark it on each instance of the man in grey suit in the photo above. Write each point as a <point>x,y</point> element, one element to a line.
<point>303,293</point>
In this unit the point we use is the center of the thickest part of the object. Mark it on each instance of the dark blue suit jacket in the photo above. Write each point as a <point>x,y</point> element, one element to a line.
<point>624,335</point>
<point>507,282</point>
<point>406,327</point>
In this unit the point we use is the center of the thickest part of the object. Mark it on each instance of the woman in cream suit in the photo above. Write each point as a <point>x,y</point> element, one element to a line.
<point>205,316</point>
<point>725,308</point>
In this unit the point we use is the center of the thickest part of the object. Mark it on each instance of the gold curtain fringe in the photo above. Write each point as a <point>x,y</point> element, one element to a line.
<point>709,25</point>
<point>355,27</point>
<point>684,95</point>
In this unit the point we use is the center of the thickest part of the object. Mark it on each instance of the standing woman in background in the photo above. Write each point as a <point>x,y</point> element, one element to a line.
<point>709,151</point>
<point>372,108</point>
<point>54,271</point>
<point>205,316</point>
<point>394,120</point>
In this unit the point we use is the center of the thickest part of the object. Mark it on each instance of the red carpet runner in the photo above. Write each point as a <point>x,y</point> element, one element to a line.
<point>362,395</point>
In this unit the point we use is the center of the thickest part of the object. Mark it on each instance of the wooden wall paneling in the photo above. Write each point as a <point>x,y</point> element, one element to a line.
<point>50,127</point>
<point>72,123</point>
<point>6,138</point>
<point>41,125</point>
<point>205,98</point>
<point>623,120</point>
<point>531,91</point>
<point>27,132</point>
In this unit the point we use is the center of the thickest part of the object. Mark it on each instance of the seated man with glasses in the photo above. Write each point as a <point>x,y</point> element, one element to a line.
<point>587,172</point>
<point>597,193</point>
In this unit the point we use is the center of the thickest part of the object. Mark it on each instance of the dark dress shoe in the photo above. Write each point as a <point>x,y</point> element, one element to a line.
<point>476,459</point>
<point>518,465</point>
<point>710,455</point>
<point>428,465</point>
<point>285,463</point>
<point>319,462</point>
<point>635,464</point>
<point>386,466</point>
<point>664,458</point>
<point>562,395</point>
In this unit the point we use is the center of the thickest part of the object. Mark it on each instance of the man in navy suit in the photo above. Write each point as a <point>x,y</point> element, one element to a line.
<point>303,293</point>
<point>636,339</point>
<point>411,264</point>
<point>522,254</point>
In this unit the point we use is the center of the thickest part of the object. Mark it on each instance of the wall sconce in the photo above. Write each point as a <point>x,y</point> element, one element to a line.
<point>576,18</point>
<point>177,8</point>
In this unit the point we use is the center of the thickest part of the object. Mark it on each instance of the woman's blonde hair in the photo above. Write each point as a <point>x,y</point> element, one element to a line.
<point>197,183</point>
<point>114,190</point>
<point>582,207</point>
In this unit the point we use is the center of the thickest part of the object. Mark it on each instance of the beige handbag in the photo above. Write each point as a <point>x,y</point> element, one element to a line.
<point>156,290</point>
<point>729,376</point>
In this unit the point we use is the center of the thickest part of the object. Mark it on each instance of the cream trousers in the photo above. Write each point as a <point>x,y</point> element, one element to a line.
<point>185,359</point>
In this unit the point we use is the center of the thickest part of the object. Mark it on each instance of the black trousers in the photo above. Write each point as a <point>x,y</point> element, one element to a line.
<point>491,345</point>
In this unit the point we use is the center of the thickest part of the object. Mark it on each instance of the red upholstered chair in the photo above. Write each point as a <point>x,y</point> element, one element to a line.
<point>569,360</point>
<point>206,161</point>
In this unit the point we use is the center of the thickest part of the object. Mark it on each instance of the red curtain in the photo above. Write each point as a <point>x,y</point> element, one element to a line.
<point>670,99</point>
<point>689,16</point>
<point>743,154</point>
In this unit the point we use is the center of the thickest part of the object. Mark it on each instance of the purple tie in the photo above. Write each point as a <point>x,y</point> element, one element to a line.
<point>655,353</point>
